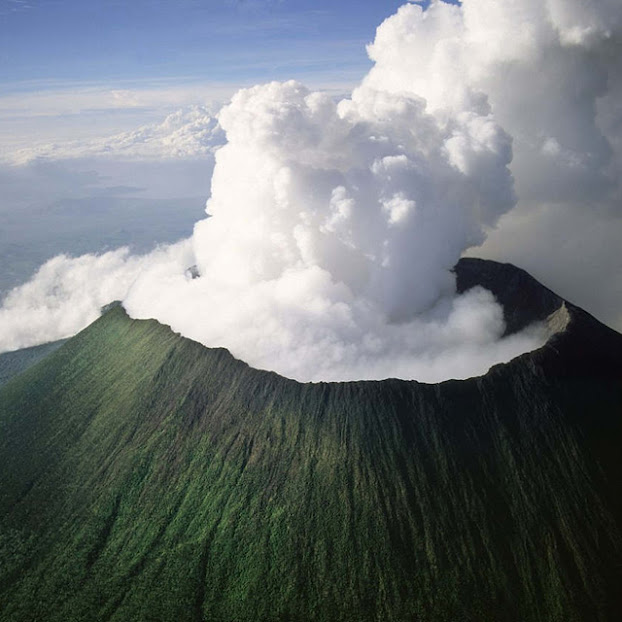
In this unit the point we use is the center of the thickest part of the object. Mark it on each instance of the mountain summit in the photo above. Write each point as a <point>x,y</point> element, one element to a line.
<point>147,477</point>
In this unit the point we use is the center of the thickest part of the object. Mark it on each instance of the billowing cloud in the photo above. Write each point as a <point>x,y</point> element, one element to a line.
<point>372,190</point>
<point>335,224</point>
<point>551,73</point>
<point>542,68</point>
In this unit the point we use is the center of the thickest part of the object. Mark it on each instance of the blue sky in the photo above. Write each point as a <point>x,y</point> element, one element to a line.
<point>77,69</point>
<point>45,43</point>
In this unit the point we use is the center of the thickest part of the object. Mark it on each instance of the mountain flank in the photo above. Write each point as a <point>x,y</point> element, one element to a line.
<point>146,477</point>
<point>14,363</point>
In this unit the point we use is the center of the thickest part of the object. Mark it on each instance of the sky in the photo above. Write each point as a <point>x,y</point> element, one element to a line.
<point>70,69</point>
<point>79,79</point>
<point>412,135</point>
<point>230,41</point>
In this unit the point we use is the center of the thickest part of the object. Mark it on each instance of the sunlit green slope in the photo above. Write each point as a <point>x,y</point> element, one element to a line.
<point>145,477</point>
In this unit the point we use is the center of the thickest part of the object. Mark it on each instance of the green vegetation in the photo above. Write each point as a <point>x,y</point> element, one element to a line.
<point>14,363</point>
<point>145,477</point>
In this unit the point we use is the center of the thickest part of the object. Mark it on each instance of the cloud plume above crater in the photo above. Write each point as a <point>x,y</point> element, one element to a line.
<point>334,226</point>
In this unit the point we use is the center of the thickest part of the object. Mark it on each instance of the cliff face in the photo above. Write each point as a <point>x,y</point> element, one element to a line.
<point>146,477</point>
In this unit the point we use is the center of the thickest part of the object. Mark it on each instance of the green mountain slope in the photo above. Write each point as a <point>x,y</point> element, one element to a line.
<point>14,363</point>
<point>146,477</point>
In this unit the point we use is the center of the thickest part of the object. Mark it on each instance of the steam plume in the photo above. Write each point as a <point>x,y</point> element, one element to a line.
<point>334,226</point>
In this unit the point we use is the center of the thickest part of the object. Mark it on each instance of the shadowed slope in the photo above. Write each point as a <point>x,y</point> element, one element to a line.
<point>14,363</point>
<point>523,299</point>
<point>146,477</point>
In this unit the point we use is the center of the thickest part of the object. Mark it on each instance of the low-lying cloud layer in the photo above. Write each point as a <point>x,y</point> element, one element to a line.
<point>187,133</point>
<point>335,224</point>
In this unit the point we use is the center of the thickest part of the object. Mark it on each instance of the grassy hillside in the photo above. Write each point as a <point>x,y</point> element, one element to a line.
<point>14,363</point>
<point>145,477</point>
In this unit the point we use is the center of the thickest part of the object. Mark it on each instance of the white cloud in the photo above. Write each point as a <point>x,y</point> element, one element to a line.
<point>335,225</point>
<point>551,74</point>
<point>56,120</point>
<point>184,134</point>
<point>54,99</point>
<point>67,294</point>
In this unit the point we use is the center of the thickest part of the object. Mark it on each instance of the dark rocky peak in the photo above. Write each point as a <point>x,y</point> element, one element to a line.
<point>524,300</point>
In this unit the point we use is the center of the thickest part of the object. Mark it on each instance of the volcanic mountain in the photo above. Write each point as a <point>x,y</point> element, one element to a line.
<point>147,477</point>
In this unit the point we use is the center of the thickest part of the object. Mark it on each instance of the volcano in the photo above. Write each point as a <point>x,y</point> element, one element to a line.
<point>147,477</point>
